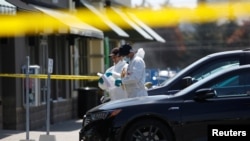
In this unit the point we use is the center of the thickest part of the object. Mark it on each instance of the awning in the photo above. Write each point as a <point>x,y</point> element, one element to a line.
<point>4,3</point>
<point>75,25</point>
<point>22,6</point>
<point>104,20</point>
<point>7,8</point>
<point>136,33</point>
<point>156,36</point>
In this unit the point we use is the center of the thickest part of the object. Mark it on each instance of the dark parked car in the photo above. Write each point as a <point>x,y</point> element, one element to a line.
<point>202,68</point>
<point>220,99</point>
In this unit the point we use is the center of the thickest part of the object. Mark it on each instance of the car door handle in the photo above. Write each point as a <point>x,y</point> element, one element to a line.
<point>173,108</point>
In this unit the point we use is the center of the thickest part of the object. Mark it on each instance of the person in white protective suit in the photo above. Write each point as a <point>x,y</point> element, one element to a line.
<point>107,81</point>
<point>133,78</point>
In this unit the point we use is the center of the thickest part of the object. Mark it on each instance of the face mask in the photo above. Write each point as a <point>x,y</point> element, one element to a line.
<point>127,59</point>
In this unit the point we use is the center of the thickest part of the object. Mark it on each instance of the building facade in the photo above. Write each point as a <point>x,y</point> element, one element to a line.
<point>75,50</point>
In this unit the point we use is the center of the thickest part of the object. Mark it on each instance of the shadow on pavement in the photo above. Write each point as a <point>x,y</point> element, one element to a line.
<point>64,126</point>
<point>6,133</point>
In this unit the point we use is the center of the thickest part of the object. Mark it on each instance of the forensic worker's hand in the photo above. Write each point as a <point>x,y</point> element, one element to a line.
<point>101,81</point>
<point>108,74</point>
<point>123,73</point>
<point>118,82</point>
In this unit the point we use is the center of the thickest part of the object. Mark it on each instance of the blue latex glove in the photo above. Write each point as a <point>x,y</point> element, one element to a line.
<point>101,81</point>
<point>108,74</point>
<point>118,82</point>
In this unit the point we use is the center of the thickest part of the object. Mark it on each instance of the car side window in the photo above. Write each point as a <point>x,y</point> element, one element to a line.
<point>214,67</point>
<point>237,84</point>
<point>208,68</point>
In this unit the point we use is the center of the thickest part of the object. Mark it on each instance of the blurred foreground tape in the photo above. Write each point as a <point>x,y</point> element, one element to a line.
<point>45,76</point>
<point>35,23</point>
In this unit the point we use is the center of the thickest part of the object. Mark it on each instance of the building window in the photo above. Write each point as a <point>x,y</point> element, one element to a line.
<point>83,59</point>
<point>79,60</point>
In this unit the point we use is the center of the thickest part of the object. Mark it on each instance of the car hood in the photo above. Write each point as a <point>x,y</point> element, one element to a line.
<point>129,102</point>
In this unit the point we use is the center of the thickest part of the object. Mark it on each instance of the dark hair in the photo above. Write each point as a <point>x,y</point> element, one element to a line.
<point>125,50</point>
<point>114,51</point>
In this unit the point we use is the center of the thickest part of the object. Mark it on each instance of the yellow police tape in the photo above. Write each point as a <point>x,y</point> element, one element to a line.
<point>45,76</point>
<point>34,23</point>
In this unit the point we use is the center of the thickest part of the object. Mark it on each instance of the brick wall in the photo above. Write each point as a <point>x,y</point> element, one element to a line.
<point>62,110</point>
<point>59,111</point>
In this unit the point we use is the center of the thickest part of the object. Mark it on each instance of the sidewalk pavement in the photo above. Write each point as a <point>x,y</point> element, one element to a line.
<point>63,131</point>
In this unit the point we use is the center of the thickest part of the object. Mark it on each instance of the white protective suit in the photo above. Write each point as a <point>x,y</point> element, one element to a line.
<point>135,76</point>
<point>115,92</point>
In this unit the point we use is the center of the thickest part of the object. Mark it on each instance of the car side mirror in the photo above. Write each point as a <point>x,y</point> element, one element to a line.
<point>148,85</point>
<point>203,94</point>
<point>186,81</point>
